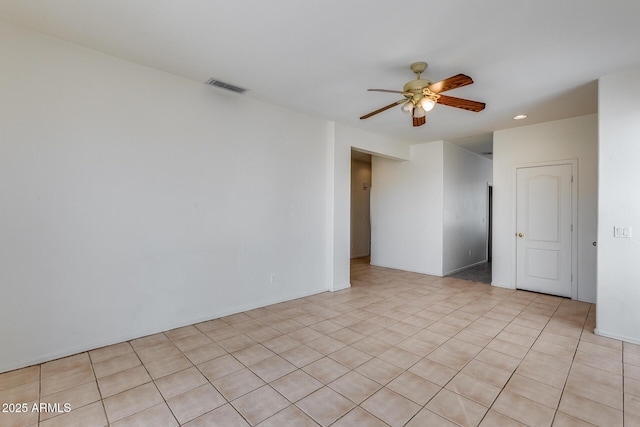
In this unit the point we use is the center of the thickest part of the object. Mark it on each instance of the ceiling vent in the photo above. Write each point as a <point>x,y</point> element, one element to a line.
<point>227,86</point>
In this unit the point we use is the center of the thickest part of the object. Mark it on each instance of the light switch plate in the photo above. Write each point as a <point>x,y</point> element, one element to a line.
<point>622,232</point>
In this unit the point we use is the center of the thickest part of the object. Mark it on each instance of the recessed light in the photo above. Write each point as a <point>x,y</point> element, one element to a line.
<point>520,117</point>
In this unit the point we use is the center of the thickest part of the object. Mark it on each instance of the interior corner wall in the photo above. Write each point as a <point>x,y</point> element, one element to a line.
<point>406,211</point>
<point>345,138</point>
<point>134,201</point>
<point>617,313</point>
<point>466,178</point>
<point>575,138</point>
<point>360,208</point>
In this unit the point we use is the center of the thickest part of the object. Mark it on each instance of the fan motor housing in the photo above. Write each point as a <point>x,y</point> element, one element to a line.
<point>416,86</point>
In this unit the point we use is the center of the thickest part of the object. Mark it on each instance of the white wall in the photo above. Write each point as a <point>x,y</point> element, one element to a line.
<point>406,211</point>
<point>360,208</point>
<point>574,138</point>
<point>345,138</point>
<point>617,312</point>
<point>465,196</point>
<point>134,201</point>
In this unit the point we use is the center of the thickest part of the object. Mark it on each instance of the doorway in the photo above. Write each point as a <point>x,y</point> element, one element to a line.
<point>360,204</point>
<point>545,212</point>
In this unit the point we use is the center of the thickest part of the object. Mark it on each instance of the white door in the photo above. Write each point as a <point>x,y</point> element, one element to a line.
<point>544,229</point>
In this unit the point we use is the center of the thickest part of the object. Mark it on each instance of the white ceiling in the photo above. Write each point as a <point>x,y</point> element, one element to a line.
<point>541,58</point>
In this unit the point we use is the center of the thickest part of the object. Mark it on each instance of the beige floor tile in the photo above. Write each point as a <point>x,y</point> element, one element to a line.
<point>541,373</point>
<point>24,417</point>
<point>522,409</point>
<point>488,373</point>
<point>132,401</point>
<point>104,353</point>
<point>238,383</point>
<point>428,418</point>
<point>116,364</point>
<point>391,407</point>
<point>582,386</point>
<point>296,385</point>
<point>221,332</point>
<point>378,370</point>
<point>272,368</point>
<point>260,404</point>
<point>589,411</point>
<point>290,416</point>
<point>20,376</point>
<point>506,347</point>
<point>355,387</point>
<point>179,333</point>
<point>236,343</point>
<point>305,335</point>
<point>122,381</point>
<point>281,344</point>
<point>20,393</point>
<point>220,367</point>
<point>205,353</point>
<point>494,419</point>
<point>66,365</point>
<point>326,345</point>
<point>347,336</point>
<point>631,405</point>
<point>325,370</point>
<point>350,357</point>
<point>180,382</point>
<point>156,416</point>
<point>253,354</point>
<point>414,388</point>
<point>301,355</point>
<point>163,367</point>
<point>632,386</point>
<point>149,341</point>
<point>399,357</point>
<point>456,408</point>
<point>192,341</point>
<point>196,402</point>
<point>598,362</point>
<point>472,388</point>
<point>359,417</point>
<point>371,346</point>
<point>262,334</point>
<point>223,416</point>
<point>161,351</point>
<point>64,381</point>
<point>597,376</point>
<point>76,397</point>
<point>534,390</point>
<point>433,371</point>
<point>88,416</point>
<point>325,406</point>
<point>564,420</point>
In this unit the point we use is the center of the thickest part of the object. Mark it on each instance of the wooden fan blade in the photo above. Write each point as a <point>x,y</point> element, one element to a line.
<point>380,110</point>
<point>465,104</point>
<point>389,91</point>
<point>453,82</point>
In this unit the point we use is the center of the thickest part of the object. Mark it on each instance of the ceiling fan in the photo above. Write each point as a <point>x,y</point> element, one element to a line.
<point>421,95</point>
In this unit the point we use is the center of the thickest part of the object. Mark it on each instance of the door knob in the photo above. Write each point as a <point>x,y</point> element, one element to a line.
<point>520,235</point>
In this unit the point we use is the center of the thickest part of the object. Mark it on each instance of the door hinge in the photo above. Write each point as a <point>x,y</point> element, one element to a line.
<point>572,277</point>
<point>571,178</point>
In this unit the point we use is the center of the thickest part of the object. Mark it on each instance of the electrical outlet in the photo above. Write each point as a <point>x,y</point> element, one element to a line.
<point>272,278</point>
<point>469,252</point>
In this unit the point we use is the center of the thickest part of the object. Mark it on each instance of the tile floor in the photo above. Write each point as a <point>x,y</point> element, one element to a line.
<point>397,348</point>
<point>477,273</point>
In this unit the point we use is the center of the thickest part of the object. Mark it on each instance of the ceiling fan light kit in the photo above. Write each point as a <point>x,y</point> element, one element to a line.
<point>421,95</point>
